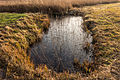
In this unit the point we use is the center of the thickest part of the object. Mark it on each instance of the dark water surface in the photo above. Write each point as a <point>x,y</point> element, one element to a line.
<point>65,41</point>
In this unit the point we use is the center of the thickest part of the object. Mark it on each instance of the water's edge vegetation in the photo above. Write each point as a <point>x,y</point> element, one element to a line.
<point>18,32</point>
<point>64,44</point>
<point>16,38</point>
<point>103,22</point>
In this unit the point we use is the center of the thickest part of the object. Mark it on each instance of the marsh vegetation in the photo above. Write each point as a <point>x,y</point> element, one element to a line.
<point>64,43</point>
<point>18,31</point>
<point>46,6</point>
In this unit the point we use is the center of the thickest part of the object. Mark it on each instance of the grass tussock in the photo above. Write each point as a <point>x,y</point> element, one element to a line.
<point>104,22</point>
<point>17,33</point>
<point>46,6</point>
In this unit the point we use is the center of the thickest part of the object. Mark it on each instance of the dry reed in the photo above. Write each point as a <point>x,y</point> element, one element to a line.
<point>47,6</point>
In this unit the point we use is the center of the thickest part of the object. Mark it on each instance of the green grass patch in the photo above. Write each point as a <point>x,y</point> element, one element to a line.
<point>8,18</point>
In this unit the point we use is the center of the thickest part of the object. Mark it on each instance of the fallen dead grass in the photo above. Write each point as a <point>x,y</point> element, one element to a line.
<point>104,22</point>
<point>17,33</point>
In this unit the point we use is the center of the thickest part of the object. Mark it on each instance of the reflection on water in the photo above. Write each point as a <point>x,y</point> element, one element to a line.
<point>64,42</point>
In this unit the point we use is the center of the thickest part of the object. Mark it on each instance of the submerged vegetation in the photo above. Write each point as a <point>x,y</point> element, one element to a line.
<point>19,31</point>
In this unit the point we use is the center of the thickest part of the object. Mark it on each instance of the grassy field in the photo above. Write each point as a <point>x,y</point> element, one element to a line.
<point>19,31</point>
<point>104,22</point>
<point>45,6</point>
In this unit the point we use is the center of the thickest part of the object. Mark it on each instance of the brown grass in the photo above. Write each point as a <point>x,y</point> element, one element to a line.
<point>104,23</point>
<point>47,6</point>
<point>106,31</point>
<point>15,39</point>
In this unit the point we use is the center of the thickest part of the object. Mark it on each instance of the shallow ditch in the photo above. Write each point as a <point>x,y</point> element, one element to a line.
<point>64,42</point>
